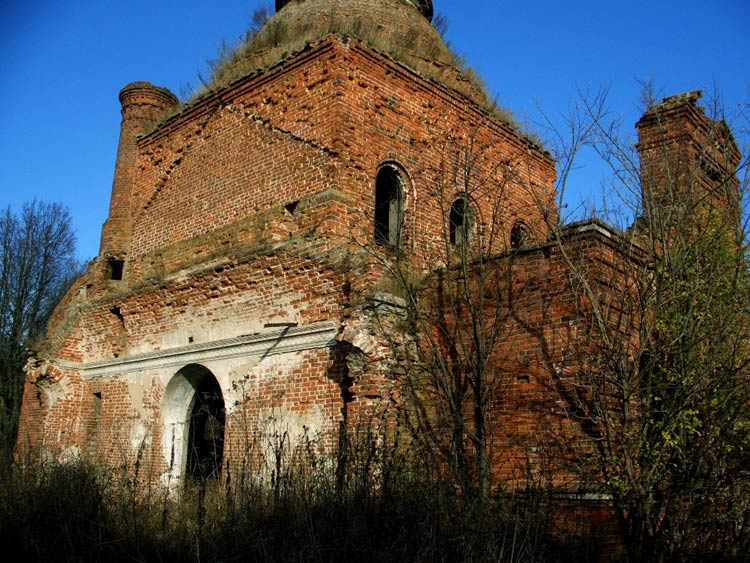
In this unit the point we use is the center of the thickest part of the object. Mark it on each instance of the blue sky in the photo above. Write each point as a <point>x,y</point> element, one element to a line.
<point>63,62</point>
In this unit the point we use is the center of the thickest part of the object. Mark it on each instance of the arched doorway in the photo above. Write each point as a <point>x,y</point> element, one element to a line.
<point>193,413</point>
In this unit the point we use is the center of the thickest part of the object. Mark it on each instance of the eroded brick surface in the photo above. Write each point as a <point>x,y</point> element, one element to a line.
<point>244,225</point>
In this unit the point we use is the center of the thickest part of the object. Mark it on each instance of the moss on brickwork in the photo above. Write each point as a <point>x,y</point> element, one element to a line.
<point>391,27</point>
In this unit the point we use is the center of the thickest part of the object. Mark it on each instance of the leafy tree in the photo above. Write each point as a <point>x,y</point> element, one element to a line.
<point>37,265</point>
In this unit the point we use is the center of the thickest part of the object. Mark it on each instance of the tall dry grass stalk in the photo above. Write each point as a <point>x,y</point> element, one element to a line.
<point>383,506</point>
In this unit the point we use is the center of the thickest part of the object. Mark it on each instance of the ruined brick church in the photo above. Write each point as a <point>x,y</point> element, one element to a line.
<point>228,299</point>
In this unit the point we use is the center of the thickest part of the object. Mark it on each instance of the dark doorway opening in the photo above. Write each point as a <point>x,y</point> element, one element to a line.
<point>206,433</point>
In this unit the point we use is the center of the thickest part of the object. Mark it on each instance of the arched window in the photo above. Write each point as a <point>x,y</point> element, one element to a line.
<point>389,206</point>
<point>461,222</point>
<point>519,235</point>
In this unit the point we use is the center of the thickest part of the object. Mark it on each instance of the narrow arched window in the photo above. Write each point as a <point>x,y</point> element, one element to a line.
<point>461,222</point>
<point>389,207</point>
<point>519,235</point>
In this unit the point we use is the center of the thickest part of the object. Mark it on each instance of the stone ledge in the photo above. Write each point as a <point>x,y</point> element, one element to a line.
<point>293,339</point>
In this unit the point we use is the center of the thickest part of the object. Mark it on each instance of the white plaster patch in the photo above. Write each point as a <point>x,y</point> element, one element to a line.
<point>226,353</point>
<point>281,362</point>
<point>54,390</point>
<point>239,384</point>
<point>284,431</point>
<point>137,387</point>
<point>243,369</point>
<point>222,318</point>
<point>70,454</point>
<point>176,338</point>
<point>139,437</point>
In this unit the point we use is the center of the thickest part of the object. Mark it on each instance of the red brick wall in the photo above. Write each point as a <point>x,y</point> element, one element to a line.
<point>217,250</point>
<point>328,124</point>
<point>537,319</point>
<point>390,114</point>
<point>688,159</point>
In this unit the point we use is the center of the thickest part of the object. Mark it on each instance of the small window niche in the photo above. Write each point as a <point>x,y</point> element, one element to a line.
<point>115,268</point>
<point>93,422</point>
<point>96,405</point>
<point>461,223</point>
<point>390,197</point>
<point>291,207</point>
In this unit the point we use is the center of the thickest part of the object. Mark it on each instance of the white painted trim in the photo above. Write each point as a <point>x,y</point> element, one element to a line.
<point>294,339</point>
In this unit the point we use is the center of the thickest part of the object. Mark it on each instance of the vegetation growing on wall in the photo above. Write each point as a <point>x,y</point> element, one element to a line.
<point>256,51</point>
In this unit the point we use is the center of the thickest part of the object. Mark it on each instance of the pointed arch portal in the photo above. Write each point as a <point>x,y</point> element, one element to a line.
<point>194,416</point>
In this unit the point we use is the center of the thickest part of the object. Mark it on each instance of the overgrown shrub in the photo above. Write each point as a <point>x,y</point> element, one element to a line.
<point>76,512</point>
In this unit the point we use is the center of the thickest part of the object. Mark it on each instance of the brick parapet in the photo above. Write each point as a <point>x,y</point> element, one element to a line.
<point>548,343</point>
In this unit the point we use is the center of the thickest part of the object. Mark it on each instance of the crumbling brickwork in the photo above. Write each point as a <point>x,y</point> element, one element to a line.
<point>239,243</point>
<point>235,241</point>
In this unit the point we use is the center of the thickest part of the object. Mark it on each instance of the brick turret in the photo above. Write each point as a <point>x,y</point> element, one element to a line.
<point>142,105</point>
<point>688,164</point>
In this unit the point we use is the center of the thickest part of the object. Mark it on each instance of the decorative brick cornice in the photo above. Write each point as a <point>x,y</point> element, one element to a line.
<point>286,340</point>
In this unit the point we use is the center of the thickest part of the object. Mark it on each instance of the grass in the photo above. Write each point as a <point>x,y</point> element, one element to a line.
<point>77,512</point>
<point>269,42</point>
